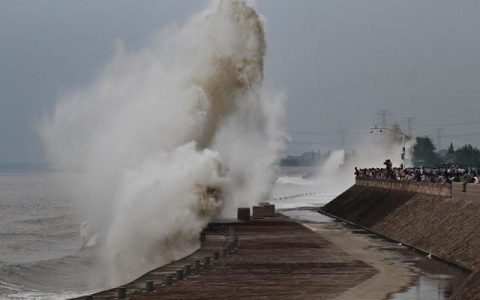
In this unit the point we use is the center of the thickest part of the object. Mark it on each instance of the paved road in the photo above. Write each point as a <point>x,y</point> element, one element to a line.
<point>277,258</point>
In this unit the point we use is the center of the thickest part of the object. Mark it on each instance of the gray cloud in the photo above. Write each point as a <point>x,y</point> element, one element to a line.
<point>339,62</point>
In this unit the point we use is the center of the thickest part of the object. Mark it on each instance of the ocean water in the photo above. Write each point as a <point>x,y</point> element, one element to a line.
<point>40,255</point>
<point>292,192</point>
<point>298,190</point>
<point>40,244</point>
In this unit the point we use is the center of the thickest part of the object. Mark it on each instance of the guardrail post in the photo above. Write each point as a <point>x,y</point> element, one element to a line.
<point>180,274</point>
<point>122,292</point>
<point>168,279</point>
<point>149,286</point>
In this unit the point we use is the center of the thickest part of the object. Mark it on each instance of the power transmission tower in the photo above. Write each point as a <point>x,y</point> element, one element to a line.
<point>439,138</point>
<point>382,114</point>
<point>410,126</point>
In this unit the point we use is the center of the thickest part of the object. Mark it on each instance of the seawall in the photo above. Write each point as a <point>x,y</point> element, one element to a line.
<point>266,257</point>
<point>422,188</point>
<point>437,219</point>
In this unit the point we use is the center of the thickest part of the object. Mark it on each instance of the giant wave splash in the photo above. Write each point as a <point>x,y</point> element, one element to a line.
<point>169,137</point>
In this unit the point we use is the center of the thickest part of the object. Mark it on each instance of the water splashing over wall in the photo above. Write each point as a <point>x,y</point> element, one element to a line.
<point>169,137</point>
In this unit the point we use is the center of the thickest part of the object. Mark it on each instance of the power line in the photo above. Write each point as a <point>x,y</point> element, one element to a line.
<point>453,135</point>
<point>356,127</point>
<point>303,143</point>
<point>451,124</point>
<point>462,135</point>
<point>329,132</point>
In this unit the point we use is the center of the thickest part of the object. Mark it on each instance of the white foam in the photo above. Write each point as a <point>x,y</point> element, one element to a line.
<point>168,137</point>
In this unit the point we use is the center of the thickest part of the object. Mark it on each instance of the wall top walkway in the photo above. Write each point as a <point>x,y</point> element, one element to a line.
<point>276,258</point>
<point>457,190</point>
<point>417,187</point>
<point>468,191</point>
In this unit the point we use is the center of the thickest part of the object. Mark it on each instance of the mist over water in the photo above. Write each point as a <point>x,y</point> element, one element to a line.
<point>169,137</point>
<point>320,184</point>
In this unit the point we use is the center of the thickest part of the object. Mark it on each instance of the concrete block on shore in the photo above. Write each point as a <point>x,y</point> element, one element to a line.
<point>243,213</point>
<point>258,212</point>
<point>269,210</point>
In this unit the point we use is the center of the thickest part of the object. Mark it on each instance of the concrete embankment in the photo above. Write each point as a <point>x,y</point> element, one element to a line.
<point>428,217</point>
<point>277,258</point>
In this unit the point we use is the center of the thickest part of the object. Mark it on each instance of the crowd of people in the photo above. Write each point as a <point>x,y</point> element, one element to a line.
<point>433,175</point>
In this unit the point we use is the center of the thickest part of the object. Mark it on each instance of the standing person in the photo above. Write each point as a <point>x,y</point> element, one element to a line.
<point>388,165</point>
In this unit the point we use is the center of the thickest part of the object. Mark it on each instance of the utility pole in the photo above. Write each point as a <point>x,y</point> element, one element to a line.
<point>344,139</point>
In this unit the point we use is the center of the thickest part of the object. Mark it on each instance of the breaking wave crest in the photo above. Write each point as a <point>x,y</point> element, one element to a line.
<point>169,137</point>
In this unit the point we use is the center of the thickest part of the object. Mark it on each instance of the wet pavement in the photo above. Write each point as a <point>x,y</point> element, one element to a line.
<point>276,258</point>
<point>431,280</point>
<point>305,256</point>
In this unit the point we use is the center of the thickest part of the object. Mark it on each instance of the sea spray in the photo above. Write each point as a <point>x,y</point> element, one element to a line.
<point>168,137</point>
<point>336,173</point>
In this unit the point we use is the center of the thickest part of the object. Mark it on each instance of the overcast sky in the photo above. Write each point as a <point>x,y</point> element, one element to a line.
<point>338,61</point>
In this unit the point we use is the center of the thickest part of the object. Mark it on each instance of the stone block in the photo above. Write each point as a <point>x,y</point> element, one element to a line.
<point>269,210</point>
<point>243,213</point>
<point>258,212</point>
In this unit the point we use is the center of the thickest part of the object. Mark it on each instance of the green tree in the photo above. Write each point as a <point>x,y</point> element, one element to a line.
<point>450,157</point>
<point>468,156</point>
<point>451,150</point>
<point>424,152</point>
